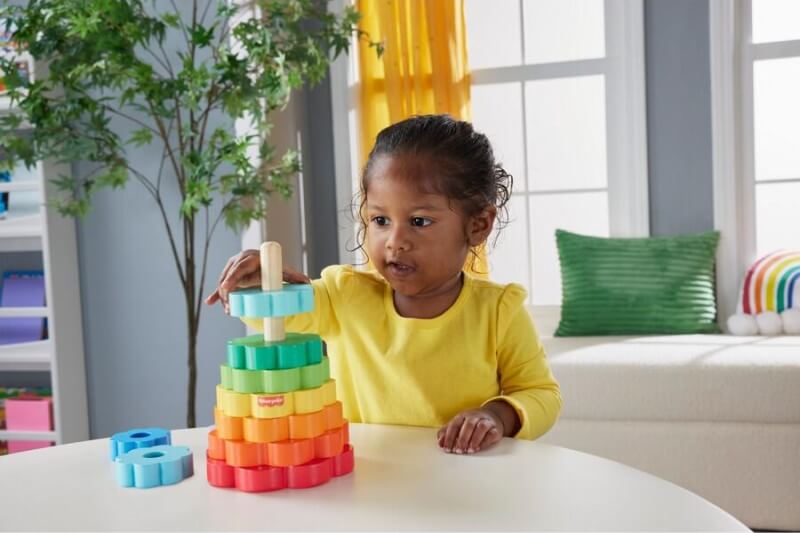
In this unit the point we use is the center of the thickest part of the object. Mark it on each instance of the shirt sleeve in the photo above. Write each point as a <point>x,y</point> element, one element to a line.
<point>321,320</point>
<point>526,382</point>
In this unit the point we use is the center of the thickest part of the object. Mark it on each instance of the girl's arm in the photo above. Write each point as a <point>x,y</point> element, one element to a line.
<point>526,383</point>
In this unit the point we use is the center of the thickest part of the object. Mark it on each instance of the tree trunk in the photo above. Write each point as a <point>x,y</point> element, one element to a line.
<point>193,321</point>
<point>192,363</point>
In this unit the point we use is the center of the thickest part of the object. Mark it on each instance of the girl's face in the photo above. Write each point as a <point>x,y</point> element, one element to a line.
<point>418,241</point>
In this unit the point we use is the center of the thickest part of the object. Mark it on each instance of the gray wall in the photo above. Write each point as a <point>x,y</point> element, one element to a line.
<point>678,116</point>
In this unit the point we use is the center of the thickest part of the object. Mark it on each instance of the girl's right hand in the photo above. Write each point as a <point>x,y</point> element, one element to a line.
<point>244,270</point>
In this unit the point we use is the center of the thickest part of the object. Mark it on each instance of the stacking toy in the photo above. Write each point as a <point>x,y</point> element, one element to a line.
<point>278,423</point>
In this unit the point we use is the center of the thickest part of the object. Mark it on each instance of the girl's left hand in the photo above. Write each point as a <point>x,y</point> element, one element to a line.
<point>471,431</point>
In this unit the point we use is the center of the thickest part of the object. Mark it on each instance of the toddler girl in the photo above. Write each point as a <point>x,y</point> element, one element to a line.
<point>418,341</point>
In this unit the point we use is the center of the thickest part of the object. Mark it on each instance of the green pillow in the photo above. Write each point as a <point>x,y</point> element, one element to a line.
<point>635,286</point>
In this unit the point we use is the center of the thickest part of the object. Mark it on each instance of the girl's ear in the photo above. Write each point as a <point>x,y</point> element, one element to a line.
<point>480,226</point>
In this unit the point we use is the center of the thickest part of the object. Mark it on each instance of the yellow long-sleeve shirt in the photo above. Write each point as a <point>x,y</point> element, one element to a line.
<point>391,369</point>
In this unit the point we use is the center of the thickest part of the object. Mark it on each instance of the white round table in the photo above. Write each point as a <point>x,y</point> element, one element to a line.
<point>402,481</point>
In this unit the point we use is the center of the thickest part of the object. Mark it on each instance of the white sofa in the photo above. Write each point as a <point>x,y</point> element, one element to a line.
<point>716,414</point>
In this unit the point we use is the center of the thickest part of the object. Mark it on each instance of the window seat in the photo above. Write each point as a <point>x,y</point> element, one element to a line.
<point>716,414</point>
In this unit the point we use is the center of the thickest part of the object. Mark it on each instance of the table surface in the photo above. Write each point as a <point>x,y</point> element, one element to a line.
<point>402,481</point>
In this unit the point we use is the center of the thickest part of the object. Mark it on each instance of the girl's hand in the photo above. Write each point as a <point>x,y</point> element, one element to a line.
<point>471,431</point>
<point>244,270</point>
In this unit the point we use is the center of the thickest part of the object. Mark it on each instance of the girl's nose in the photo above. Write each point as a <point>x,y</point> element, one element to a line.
<point>398,239</point>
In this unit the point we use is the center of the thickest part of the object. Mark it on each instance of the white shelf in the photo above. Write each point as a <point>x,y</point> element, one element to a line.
<point>23,312</point>
<point>19,186</point>
<point>27,356</point>
<point>30,226</point>
<point>6,109</point>
<point>21,230</point>
<point>5,101</point>
<point>12,434</point>
<point>5,105</point>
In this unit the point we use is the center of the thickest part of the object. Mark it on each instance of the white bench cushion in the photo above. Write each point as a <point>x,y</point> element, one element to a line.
<point>680,377</point>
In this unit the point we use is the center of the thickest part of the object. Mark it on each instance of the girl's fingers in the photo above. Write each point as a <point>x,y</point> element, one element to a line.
<point>213,297</point>
<point>216,296</point>
<point>293,276</point>
<point>481,429</point>
<point>451,432</point>
<point>225,270</point>
<point>492,437</point>
<point>249,264</point>
<point>250,280</point>
<point>465,435</point>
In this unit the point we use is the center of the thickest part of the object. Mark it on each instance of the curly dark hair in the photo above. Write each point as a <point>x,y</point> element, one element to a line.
<point>468,174</point>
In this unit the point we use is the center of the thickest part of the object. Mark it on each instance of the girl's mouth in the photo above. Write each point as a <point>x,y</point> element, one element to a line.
<point>399,270</point>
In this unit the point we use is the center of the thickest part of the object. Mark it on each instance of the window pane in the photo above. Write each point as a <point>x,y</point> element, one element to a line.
<point>585,213</point>
<point>508,260</point>
<point>777,216</point>
<point>493,33</point>
<point>497,112</point>
<point>566,126</point>
<point>563,30</point>
<point>776,20</point>
<point>776,110</point>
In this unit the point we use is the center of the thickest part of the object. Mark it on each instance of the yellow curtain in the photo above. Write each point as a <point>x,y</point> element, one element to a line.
<point>423,69</point>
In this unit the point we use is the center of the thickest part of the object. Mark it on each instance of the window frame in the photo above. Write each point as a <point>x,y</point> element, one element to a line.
<point>733,55</point>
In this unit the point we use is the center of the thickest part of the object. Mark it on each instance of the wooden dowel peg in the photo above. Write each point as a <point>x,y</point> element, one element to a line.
<point>272,280</point>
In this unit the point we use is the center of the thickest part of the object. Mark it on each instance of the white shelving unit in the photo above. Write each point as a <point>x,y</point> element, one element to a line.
<point>38,227</point>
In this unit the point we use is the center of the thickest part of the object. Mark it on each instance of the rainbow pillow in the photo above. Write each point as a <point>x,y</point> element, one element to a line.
<point>770,296</point>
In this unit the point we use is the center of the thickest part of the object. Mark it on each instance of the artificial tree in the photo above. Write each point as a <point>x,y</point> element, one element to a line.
<point>107,59</point>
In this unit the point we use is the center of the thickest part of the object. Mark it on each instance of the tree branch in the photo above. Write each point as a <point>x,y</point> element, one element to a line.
<point>166,59</point>
<point>132,119</point>
<point>192,54</point>
<point>157,197</point>
<point>163,159</point>
<point>203,268</point>
<point>182,26</point>
<point>165,66</point>
<point>165,136</point>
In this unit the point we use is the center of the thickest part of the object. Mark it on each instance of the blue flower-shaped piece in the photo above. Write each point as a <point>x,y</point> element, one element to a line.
<point>144,468</point>
<point>255,303</point>
<point>125,441</point>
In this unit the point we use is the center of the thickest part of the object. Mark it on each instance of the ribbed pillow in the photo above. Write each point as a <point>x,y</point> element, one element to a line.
<point>636,286</point>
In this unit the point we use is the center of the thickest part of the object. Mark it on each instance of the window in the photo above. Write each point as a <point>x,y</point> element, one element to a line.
<point>558,87</point>
<point>755,56</point>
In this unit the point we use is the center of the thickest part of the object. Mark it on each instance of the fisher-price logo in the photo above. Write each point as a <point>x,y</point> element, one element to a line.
<point>270,401</point>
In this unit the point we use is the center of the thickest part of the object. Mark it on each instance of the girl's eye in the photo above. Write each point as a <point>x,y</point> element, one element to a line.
<point>420,221</point>
<point>380,221</point>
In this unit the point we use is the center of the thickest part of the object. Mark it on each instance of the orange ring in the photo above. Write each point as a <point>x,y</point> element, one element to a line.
<point>330,443</point>
<point>228,427</point>
<point>333,415</point>
<point>266,429</point>
<point>242,453</point>
<point>216,446</point>
<point>307,426</point>
<point>290,452</point>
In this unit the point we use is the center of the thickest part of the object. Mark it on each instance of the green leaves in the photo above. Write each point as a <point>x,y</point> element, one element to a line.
<point>112,86</point>
<point>141,137</point>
